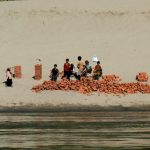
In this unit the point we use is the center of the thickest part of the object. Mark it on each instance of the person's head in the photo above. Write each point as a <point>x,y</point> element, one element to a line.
<point>87,62</point>
<point>67,60</point>
<point>55,65</point>
<point>8,69</point>
<point>79,58</point>
<point>98,62</point>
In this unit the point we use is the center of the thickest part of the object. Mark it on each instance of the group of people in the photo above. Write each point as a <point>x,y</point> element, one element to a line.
<point>84,70</point>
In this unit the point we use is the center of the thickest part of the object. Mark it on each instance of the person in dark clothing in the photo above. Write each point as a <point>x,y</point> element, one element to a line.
<point>72,71</point>
<point>54,73</point>
<point>67,69</point>
<point>9,77</point>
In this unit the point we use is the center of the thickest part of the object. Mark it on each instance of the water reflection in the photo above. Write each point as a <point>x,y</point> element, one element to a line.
<point>94,130</point>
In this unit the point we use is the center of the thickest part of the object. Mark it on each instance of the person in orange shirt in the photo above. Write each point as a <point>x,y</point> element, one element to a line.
<point>97,71</point>
<point>67,73</point>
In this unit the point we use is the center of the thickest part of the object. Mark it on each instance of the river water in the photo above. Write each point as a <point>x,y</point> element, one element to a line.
<point>75,131</point>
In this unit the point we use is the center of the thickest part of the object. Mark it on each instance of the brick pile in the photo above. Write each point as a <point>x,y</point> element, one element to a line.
<point>111,78</point>
<point>88,86</point>
<point>142,77</point>
<point>38,71</point>
<point>17,72</point>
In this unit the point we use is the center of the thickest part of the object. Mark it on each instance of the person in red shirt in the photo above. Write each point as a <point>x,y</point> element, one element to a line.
<point>97,71</point>
<point>67,73</point>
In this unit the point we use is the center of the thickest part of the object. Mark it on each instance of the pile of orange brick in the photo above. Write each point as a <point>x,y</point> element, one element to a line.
<point>108,85</point>
<point>111,78</point>
<point>17,72</point>
<point>142,77</point>
<point>38,72</point>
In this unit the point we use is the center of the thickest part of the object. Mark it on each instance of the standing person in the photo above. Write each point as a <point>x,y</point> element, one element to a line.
<point>97,71</point>
<point>9,77</point>
<point>80,67</point>
<point>72,69</point>
<point>88,67</point>
<point>54,73</point>
<point>67,69</point>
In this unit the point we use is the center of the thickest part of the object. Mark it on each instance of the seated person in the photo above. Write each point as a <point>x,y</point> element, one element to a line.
<point>84,71</point>
<point>88,67</point>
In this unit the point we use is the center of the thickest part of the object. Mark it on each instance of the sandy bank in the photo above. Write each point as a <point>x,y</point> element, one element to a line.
<point>116,31</point>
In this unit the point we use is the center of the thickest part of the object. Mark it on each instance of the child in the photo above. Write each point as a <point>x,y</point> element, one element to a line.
<point>97,71</point>
<point>67,69</point>
<point>9,77</point>
<point>54,73</point>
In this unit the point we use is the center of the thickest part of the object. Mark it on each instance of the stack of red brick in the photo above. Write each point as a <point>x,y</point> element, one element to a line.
<point>142,77</point>
<point>17,72</point>
<point>88,85</point>
<point>38,71</point>
<point>111,78</point>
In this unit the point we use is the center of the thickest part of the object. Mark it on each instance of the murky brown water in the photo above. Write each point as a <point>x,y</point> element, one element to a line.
<point>75,131</point>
